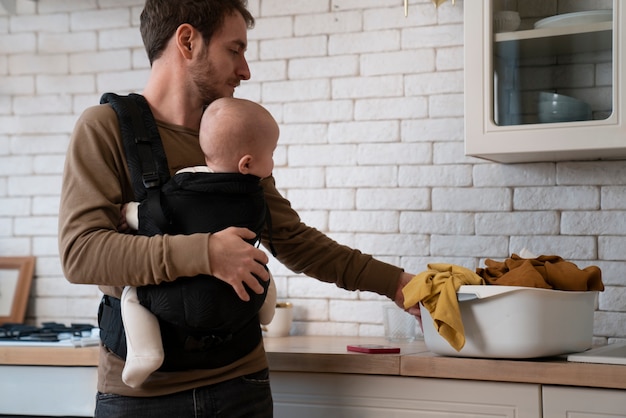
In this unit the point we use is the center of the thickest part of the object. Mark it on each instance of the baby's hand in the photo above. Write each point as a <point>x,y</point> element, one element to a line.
<point>122,225</point>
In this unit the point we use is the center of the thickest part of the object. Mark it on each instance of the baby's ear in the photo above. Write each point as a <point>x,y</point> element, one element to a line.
<point>245,164</point>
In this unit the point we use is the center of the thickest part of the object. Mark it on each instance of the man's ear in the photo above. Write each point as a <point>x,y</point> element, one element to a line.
<point>245,164</point>
<point>185,38</point>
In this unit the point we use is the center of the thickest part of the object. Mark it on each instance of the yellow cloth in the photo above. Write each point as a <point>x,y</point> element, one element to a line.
<point>436,289</point>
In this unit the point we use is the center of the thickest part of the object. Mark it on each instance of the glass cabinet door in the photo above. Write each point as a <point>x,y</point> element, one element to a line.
<point>546,77</point>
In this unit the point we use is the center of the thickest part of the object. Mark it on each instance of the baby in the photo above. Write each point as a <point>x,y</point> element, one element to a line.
<point>238,138</point>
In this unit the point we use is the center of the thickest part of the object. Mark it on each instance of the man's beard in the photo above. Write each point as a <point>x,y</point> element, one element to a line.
<point>202,77</point>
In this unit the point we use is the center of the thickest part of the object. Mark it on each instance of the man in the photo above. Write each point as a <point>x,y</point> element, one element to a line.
<point>196,50</point>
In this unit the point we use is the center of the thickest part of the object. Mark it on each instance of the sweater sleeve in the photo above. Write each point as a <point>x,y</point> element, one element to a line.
<point>304,249</point>
<point>95,185</point>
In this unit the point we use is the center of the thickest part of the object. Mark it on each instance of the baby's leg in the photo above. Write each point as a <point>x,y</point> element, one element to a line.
<point>144,348</point>
<point>266,313</point>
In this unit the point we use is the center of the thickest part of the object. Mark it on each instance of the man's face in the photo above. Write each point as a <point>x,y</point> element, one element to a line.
<point>221,68</point>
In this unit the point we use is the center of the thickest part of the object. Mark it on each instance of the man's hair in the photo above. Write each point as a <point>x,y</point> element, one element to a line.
<point>161,18</point>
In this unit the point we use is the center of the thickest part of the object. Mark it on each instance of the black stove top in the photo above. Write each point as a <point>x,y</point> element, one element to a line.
<point>47,332</point>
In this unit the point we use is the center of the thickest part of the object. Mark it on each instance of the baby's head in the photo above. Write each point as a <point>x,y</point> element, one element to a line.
<point>238,135</point>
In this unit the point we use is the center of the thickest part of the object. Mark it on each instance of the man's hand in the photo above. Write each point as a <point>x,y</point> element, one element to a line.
<point>405,278</point>
<point>236,262</point>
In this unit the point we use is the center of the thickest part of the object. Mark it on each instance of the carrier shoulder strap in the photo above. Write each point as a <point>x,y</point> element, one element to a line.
<point>145,155</point>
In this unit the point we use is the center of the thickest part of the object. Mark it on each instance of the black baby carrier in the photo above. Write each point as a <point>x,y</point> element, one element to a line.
<point>204,324</point>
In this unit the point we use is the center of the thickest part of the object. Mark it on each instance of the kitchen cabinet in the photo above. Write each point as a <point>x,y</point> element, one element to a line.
<point>506,72</point>
<point>564,402</point>
<point>314,395</point>
<point>47,381</point>
<point>48,390</point>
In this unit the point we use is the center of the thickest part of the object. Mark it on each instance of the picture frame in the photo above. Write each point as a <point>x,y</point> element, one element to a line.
<point>16,277</point>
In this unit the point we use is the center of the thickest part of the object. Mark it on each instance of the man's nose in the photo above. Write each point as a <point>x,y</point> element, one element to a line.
<point>244,70</point>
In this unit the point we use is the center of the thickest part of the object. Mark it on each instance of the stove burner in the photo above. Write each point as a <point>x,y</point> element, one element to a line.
<point>48,332</point>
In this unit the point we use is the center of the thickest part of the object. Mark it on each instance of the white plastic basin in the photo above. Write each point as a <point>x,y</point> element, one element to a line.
<point>517,322</point>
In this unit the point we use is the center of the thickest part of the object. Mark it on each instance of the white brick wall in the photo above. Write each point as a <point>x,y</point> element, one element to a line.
<point>371,151</point>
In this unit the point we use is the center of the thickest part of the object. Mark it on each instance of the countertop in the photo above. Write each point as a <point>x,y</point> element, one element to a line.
<point>329,355</point>
<point>48,356</point>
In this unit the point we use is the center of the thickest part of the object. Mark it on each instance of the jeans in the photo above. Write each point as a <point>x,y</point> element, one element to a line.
<point>246,396</point>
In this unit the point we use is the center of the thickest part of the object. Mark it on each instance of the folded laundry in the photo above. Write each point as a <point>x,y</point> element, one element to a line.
<point>546,271</point>
<point>436,289</point>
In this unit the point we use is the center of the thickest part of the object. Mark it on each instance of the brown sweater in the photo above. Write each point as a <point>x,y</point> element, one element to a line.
<point>96,184</point>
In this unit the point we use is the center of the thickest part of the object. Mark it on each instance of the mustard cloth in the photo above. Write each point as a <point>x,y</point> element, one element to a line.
<point>436,289</point>
<point>545,271</point>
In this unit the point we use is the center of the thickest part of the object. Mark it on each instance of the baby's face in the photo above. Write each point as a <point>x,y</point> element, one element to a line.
<point>263,162</point>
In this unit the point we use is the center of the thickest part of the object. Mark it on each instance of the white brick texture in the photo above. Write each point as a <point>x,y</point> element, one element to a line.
<point>370,106</point>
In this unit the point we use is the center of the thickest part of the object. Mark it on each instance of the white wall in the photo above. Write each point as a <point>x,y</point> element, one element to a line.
<point>371,111</point>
